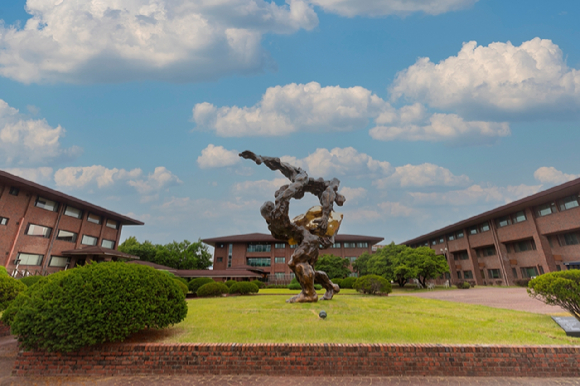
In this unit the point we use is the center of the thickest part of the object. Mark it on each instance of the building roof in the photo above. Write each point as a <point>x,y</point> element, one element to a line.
<point>266,238</point>
<point>51,194</point>
<point>99,252</point>
<point>566,189</point>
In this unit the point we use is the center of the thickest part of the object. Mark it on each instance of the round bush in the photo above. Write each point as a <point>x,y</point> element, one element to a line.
<point>244,288</point>
<point>230,283</point>
<point>97,303</point>
<point>196,283</point>
<point>9,290</point>
<point>558,288</point>
<point>213,289</point>
<point>372,284</point>
<point>348,282</point>
<point>337,281</point>
<point>30,280</point>
<point>181,286</point>
<point>3,271</point>
<point>463,285</point>
<point>258,283</point>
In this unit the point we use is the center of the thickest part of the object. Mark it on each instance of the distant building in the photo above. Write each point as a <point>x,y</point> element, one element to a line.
<point>260,252</point>
<point>523,239</point>
<point>44,231</point>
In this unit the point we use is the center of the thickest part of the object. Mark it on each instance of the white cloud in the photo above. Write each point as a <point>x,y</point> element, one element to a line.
<point>41,175</point>
<point>85,41</point>
<point>353,194</point>
<point>375,8</point>
<point>217,157</point>
<point>160,179</point>
<point>475,194</point>
<point>30,141</point>
<point>420,176</point>
<point>503,78</point>
<point>261,188</point>
<point>552,176</point>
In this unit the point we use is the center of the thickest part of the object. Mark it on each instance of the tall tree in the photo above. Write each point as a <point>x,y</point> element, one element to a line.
<point>361,263</point>
<point>334,266</point>
<point>425,262</point>
<point>178,255</point>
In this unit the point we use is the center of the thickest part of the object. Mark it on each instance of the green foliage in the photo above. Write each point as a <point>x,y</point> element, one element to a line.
<point>348,282</point>
<point>178,255</point>
<point>337,281</point>
<point>244,288</point>
<point>182,286</point>
<point>30,280</point>
<point>276,286</point>
<point>3,271</point>
<point>94,304</point>
<point>258,283</point>
<point>212,289</point>
<point>230,283</point>
<point>463,285</point>
<point>360,265</point>
<point>334,266</point>
<point>559,289</point>
<point>9,290</point>
<point>297,286</point>
<point>372,285</point>
<point>198,282</point>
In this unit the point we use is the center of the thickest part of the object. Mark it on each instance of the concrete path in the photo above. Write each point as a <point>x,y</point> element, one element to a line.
<point>509,298</point>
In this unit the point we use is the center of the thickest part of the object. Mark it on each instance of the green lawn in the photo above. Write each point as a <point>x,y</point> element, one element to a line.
<point>360,319</point>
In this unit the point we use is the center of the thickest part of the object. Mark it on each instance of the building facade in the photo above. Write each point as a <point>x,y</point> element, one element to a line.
<point>264,252</point>
<point>520,240</point>
<point>44,231</point>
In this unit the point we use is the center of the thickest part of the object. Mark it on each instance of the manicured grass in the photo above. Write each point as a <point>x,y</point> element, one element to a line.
<point>286,291</point>
<point>360,319</point>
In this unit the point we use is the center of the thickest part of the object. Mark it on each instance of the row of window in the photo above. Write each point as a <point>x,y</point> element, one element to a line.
<point>552,207</point>
<point>42,231</point>
<point>266,247</point>
<point>513,218</point>
<point>35,259</point>
<point>73,212</point>
<point>266,261</point>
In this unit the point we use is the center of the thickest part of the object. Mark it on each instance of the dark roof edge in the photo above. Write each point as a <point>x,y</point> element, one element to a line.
<point>59,196</point>
<point>529,200</point>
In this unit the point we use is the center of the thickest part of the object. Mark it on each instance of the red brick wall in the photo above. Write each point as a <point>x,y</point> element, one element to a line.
<point>304,359</point>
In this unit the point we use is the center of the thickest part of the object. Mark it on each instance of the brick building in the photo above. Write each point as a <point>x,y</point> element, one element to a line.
<point>523,239</point>
<point>44,231</point>
<point>262,252</point>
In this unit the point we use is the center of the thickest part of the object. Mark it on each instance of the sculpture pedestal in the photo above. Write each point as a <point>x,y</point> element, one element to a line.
<point>569,324</point>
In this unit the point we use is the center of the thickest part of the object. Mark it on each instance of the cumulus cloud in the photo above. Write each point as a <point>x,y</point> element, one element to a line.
<point>260,187</point>
<point>41,175</point>
<point>475,194</point>
<point>516,81</point>
<point>216,157</point>
<point>375,8</point>
<point>353,194</point>
<point>420,176</point>
<point>116,41</point>
<point>552,176</point>
<point>30,141</point>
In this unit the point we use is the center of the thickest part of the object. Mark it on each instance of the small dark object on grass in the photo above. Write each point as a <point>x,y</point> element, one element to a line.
<point>322,315</point>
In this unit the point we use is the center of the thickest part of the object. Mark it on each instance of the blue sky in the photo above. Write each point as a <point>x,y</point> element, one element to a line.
<point>428,111</point>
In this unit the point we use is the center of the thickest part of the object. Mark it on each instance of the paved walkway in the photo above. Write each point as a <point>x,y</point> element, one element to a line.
<point>510,298</point>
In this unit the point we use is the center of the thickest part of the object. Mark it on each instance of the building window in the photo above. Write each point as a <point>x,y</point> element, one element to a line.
<point>558,268</point>
<point>66,236</point>
<point>529,272</point>
<point>462,255</point>
<point>95,219</point>
<point>473,231</point>
<point>230,248</point>
<point>351,259</point>
<point>493,274</point>
<point>362,245</point>
<point>46,204</point>
<point>29,259</point>
<point>89,240</point>
<point>433,242</point>
<point>441,240</point>
<point>280,246</point>
<point>451,237</point>
<point>259,261</point>
<point>112,224</point>
<point>259,247</point>
<point>468,274</point>
<point>541,269</point>
<point>482,273</point>
<point>38,230</point>
<point>521,246</point>
<point>280,275</point>
<point>518,217</point>
<point>58,261</point>
<point>503,221</point>
<point>14,191</point>
<point>109,244</point>
<point>280,260</point>
<point>3,221</point>
<point>351,245</point>
<point>459,274</point>
<point>73,212</point>
<point>546,209</point>
<point>486,251</point>
<point>293,246</point>
<point>515,273</point>
<point>220,259</point>
<point>460,235</point>
<point>336,245</point>
<point>484,227</point>
<point>568,203</point>
<point>568,239</point>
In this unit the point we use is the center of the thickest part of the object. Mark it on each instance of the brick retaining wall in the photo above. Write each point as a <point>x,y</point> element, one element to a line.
<point>306,359</point>
<point>4,330</point>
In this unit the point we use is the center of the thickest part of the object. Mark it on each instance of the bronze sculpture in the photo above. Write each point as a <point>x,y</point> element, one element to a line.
<point>316,228</point>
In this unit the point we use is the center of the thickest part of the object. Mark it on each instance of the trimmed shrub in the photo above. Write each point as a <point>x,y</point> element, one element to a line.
<point>258,283</point>
<point>230,283</point>
<point>3,271</point>
<point>97,303</point>
<point>30,280</point>
<point>9,290</point>
<point>244,288</point>
<point>558,288</point>
<point>276,286</point>
<point>463,284</point>
<point>181,286</point>
<point>337,281</point>
<point>196,283</point>
<point>297,286</point>
<point>212,289</point>
<point>372,285</point>
<point>522,282</point>
<point>348,282</point>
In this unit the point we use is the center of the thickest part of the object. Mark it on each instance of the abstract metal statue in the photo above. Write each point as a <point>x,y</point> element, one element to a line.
<point>310,231</point>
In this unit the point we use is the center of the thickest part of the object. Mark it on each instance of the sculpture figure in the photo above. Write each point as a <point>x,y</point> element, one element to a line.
<point>310,231</point>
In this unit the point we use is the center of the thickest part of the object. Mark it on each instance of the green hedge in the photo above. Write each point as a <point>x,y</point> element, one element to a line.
<point>212,289</point>
<point>97,303</point>
<point>9,290</point>
<point>30,280</point>
<point>297,286</point>
<point>559,289</point>
<point>348,282</point>
<point>230,283</point>
<point>372,285</point>
<point>463,285</point>
<point>3,271</point>
<point>258,283</point>
<point>244,288</point>
<point>196,283</point>
<point>338,281</point>
<point>181,286</point>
